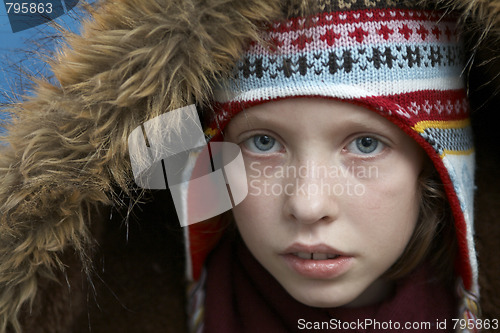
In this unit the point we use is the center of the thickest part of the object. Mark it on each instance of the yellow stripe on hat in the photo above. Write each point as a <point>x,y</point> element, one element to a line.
<point>211,132</point>
<point>421,126</point>
<point>456,152</point>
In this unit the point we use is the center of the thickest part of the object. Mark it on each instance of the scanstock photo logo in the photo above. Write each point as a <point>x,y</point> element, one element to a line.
<point>170,151</point>
<point>26,14</point>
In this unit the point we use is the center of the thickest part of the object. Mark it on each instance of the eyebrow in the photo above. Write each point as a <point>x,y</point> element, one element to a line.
<point>277,122</point>
<point>260,119</point>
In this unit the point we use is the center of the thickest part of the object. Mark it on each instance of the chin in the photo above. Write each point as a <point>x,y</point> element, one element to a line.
<point>320,299</point>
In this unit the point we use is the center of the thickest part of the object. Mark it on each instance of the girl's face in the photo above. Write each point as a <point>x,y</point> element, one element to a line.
<point>333,197</point>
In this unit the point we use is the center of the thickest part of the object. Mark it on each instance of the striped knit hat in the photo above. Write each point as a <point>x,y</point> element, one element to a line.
<point>404,63</point>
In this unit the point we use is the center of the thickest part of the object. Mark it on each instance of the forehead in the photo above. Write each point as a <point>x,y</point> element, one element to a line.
<point>310,115</point>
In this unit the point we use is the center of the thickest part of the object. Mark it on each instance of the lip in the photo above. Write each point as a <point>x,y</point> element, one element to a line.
<point>317,269</point>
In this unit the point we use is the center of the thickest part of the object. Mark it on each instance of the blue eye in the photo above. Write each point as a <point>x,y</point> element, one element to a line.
<point>262,144</point>
<point>365,145</point>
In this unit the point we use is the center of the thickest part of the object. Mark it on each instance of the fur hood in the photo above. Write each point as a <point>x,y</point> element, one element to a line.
<point>68,263</point>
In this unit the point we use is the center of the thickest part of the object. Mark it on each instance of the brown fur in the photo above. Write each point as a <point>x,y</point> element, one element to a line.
<point>483,15</point>
<point>68,144</point>
<point>68,157</point>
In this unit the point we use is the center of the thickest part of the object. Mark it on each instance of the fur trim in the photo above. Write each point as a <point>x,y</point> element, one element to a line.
<point>481,34</point>
<point>482,15</point>
<point>68,144</point>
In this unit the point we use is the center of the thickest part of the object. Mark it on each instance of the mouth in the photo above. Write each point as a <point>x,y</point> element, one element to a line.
<point>317,261</point>
<point>314,252</point>
<point>315,256</point>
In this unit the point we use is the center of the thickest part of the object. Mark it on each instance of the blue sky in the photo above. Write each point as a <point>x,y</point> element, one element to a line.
<point>18,50</point>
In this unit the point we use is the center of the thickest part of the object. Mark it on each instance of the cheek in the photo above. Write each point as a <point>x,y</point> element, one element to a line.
<point>253,216</point>
<point>396,195</point>
<point>394,184</point>
<point>388,210</point>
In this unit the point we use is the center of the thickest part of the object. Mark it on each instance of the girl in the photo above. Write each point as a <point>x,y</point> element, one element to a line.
<point>347,90</point>
<point>349,238</point>
<point>353,123</point>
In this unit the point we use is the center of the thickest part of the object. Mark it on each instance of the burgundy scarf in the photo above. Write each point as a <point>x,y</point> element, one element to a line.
<point>241,296</point>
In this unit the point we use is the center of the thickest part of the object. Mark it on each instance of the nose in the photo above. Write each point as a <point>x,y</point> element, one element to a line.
<point>311,201</point>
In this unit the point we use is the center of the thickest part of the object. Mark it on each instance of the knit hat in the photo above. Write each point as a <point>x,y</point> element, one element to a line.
<point>398,60</point>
